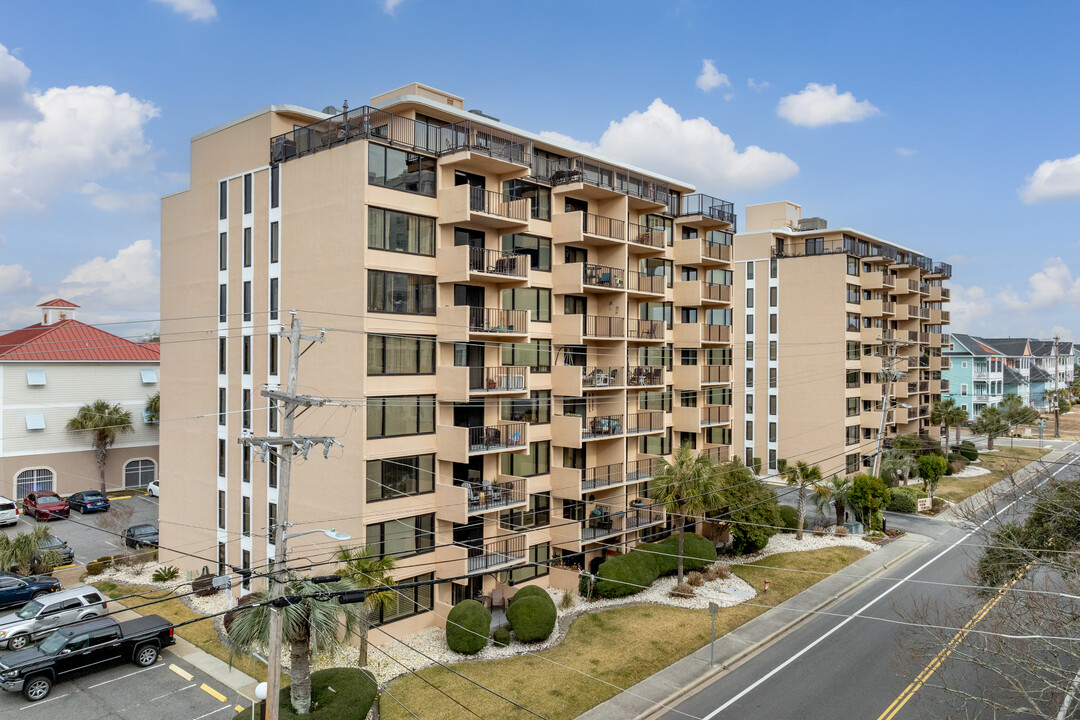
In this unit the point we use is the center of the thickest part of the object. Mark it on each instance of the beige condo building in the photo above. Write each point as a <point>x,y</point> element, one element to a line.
<point>516,332</point>
<point>821,312</point>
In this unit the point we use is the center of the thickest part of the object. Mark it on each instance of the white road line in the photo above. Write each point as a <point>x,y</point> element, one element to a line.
<point>753,686</point>
<point>171,693</point>
<point>214,712</point>
<point>126,676</point>
<point>39,703</point>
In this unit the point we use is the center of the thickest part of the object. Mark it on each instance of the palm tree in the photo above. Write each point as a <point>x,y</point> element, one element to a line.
<point>365,570</point>
<point>309,626</point>
<point>957,417</point>
<point>22,553</point>
<point>897,466</point>
<point>944,413</point>
<point>153,407</point>
<point>800,475</point>
<point>687,486</point>
<point>991,422</point>
<point>104,422</point>
<point>836,491</point>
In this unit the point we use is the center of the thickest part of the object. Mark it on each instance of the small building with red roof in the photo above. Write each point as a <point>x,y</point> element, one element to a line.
<point>49,370</point>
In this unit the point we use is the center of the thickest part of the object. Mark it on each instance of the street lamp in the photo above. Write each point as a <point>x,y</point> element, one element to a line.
<point>331,533</point>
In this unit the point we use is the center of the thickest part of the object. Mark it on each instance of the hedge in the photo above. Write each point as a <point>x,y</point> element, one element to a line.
<point>529,591</point>
<point>901,502</point>
<point>627,574</point>
<point>352,696</point>
<point>502,637</point>
<point>467,626</point>
<point>968,451</point>
<point>698,553</point>
<point>532,618</point>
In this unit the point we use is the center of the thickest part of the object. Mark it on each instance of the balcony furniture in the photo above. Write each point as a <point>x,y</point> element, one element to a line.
<point>474,498</point>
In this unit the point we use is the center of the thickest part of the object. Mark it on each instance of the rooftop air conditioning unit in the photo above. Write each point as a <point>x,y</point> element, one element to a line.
<point>814,223</point>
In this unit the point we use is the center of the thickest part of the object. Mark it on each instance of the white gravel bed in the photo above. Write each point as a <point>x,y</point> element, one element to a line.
<point>786,542</point>
<point>970,472</point>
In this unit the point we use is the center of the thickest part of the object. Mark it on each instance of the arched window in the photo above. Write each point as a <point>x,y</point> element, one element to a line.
<point>138,473</point>
<point>34,479</point>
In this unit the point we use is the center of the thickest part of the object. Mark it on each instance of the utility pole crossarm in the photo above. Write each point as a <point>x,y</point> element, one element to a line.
<point>289,399</point>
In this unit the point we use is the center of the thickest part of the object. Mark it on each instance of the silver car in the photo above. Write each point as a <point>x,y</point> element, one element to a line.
<point>39,617</point>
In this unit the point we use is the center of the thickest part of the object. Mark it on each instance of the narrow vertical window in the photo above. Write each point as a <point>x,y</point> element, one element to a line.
<point>272,416</point>
<point>221,509</point>
<point>221,406</point>
<point>223,251</point>
<point>247,301</point>
<point>272,361</point>
<point>245,360</point>
<point>223,346</point>
<point>223,303</point>
<point>221,457</point>
<point>275,186</point>
<point>273,298</point>
<point>275,237</point>
<point>247,193</point>
<point>247,247</point>
<point>245,410</point>
<point>223,200</point>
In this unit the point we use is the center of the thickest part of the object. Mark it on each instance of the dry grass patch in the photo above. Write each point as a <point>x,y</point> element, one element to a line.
<point>202,635</point>
<point>622,646</point>
<point>1012,458</point>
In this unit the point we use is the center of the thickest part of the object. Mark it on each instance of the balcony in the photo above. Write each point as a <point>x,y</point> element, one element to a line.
<point>495,554</point>
<point>466,383</point>
<point>878,308</point>
<point>939,293</point>
<point>875,335</point>
<point>646,284</point>
<point>637,518</point>
<point>980,374</point>
<point>462,263</point>
<point>466,204</point>
<point>941,269</point>
<point>645,376</point>
<point>700,208</point>
<point>646,331</point>
<point>878,280</point>
<point>699,251</point>
<point>575,329</point>
<point>472,145</point>
<point>457,503</point>
<point>871,364</point>
<point>645,423</point>
<point>692,335</point>
<point>458,444</point>
<point>695,293</point>
<point>645,240</point>
<point>573,430</point>
<point>575,380</point>
<point>588,229</point>
<point>577,278</point>
<point>608,523</point>
<point>694,377</point>
<point>717,453</point>
<point>692,419</point>
<point>460,323</point>
<point>642,470</point>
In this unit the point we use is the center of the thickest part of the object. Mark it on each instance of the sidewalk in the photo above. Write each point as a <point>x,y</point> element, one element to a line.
<point>684,676</point>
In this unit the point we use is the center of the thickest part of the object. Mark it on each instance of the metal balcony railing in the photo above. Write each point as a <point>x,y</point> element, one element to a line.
<point>497,320</point>
<point>644,282</point>
<point>485,438</point>
<point>715,250</point>
<point>599,377</point>
<point>602,525</point>
<point>495,203</point>
<point>603,276</point>
<point>943,268</point>
<point>491,496</point>
<point>603,326</point>
<point>646,329</point>
<point>715,373</point>
<point>603,226</point>
<point>655,237</point>
<point>641,470</point>
<point>715,414</point>
<point>602,476</point>
<point>642,422</point>
<point>601,426</point>
<point>715,208</point>
<point>643,517</point>
<point>496,262</point>
<point>716,333</point>
<point>645,375</point>
<point>486,555</point>
<point>497,379</point>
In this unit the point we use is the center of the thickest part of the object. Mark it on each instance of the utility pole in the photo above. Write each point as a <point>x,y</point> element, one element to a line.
<point>891,375</point>
<point>1057,402</point>
<point>288,401</point>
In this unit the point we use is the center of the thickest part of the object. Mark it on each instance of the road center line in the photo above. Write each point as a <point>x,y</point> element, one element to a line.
<point>821,638</point>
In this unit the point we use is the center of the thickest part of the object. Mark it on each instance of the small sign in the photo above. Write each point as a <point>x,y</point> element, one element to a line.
<point>713,608</point>
<point>925,504</point>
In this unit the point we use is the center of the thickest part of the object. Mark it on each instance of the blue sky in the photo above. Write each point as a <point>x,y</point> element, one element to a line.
<point>947,127</point>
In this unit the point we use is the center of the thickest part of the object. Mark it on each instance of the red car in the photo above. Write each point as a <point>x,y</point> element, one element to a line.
<point>45,505</point>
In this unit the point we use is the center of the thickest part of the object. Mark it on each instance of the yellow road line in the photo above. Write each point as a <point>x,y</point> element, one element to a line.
<point>181,672</point>
<point>214,693</point>
<point>64,567</point>
<point>120,497</point>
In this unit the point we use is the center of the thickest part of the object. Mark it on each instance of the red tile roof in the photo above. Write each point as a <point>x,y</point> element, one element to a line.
<point>73,341</point>
<point>58,303</point>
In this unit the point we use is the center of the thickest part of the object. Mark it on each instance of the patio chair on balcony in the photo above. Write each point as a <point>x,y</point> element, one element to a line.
<point>493,493</point>
<point>474,498</point>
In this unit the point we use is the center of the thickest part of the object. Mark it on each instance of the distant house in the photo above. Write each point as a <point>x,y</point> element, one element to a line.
<point>976,374</point>
<point>47,372</point>
<point>1028,368</point>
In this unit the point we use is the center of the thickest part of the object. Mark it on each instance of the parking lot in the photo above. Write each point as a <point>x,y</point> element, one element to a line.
<point>82,533</point>
<point>172,689</point>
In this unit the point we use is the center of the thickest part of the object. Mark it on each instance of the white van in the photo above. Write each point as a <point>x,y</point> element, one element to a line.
<point>9,512</point>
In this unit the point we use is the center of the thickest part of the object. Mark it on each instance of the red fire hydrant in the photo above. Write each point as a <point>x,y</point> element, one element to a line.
<point>766,588</point>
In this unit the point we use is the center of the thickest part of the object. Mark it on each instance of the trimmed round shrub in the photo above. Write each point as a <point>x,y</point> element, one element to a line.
<point>467,626</point>
<point>698,553</point>
<point>901,502</point>
<point>626,574</point>
<point>967,450</point>
<point>532,618</point>
<point>789,518</point>
<point>528,591</point>
<point>502,637</point>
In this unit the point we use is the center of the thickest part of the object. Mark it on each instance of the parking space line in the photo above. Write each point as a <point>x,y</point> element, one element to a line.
<point>186,687</point>
<point>180,671</point>
<point>124,676</point>
<point>212,712</point>
<point>214,693</point>
<point>39,703</point>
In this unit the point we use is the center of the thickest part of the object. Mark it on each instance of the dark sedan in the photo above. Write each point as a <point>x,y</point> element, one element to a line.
<point>64,555</point>
<point>18,590</point>
<point>138,536</point>
<point>45,505</point>
<point>88,501</point>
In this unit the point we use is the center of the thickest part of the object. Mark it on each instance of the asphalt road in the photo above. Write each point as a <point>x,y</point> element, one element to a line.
<point>126,692</point>
<point>84,535</point>
<point>835,666</point>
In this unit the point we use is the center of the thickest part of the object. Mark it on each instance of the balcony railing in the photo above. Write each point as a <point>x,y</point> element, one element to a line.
<point>490,496</point>
<point>716,333</point>
<point>641,470</point>
<point>486,438</point>
<point>719,454</point>
<point>944,385</point>
<point>589,171</point>
<point>643,422</point>
<point>708,206</point>
<point>715,250</point>
<point>602,525</point>
<point>645,375</point>
<point>486,555</point>
<point>943,268</point>
<point>715,373</point>
<point>495,203</point>
<point>945,293</point>
<point>601,426</point>
<point>715,414</point>
<point>496,320</point>
<point>643,517</point>
<point>603,326</point>
<point>603,226</point>
<point>598,377</point>
<point>603,276</point>
<point>654,237</point>
<point>644,282</point>
<point>646,329</point>
<point>496,262</point>
<point>497,379</point>
<point>602,476</point>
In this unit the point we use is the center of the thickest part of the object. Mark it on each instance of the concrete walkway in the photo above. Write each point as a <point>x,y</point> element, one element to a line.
<point>684,676</point>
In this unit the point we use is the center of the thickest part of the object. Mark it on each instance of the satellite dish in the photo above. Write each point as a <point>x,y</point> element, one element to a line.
<point>331,110</point>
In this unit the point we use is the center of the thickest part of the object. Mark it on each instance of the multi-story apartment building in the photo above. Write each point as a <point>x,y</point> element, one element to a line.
<point>976,379</point>
<point>822,307</point>
<point>49,370</point>
<point>516,331</point>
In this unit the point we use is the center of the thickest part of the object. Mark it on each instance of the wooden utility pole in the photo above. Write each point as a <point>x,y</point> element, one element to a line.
<point>891,375</point>
<point>1057,401</point>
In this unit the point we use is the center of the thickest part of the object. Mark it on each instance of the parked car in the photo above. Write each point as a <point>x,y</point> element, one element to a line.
<point>79,647</point>
<point>9,512</point>
<point>88,501</point>
<point>56,545</point>
<point>49,613</point>
<point>18,590</point>
<point>138,536</point>
<point>45,505</point>
<point>152,489</point>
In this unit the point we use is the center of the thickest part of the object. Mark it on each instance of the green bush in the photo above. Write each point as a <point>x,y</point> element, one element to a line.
<point>626,574</point>
<point>532,618</point>
<point>467,626</point>
<point>502,637</point>
<point>911,490</point>
<point>698,553</point>
<point>165,573</point>
<point>528,591</point>
<point>789,518</point>
<point>901,502</point>
<point>749,505</point>
<point>586,586</point>
<point>336,694</point>
<point>755,465</point>
<point>99,566</point>
<point>967,450</point>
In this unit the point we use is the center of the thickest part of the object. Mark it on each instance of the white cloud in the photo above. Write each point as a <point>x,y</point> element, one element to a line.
<point>969,306</point>
<point>905,152</point>
<point>13,278</point>
<point>1053,180</point>
<point>693,150</point>
<point>556,137</point>
<point>391,5</point>
<point>1061,332</point>
<point>79,134</point>
<point>710,78</point>
<point>729,97</point>
<point>127,281</point>
<point>113,201</point>
<point>15,102</point>
<point>757,86</point>
<point>193,9</point>
<point>1049,288</point>
<point>820,105</point>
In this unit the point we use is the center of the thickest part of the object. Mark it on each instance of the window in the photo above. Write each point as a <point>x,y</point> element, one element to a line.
<point>221,509</point>
<point>718,435</point>
<point>401,232</point>
<point>536,300</point>
<point>688,356</point>
<point>852,266</point>
<point>750,350</point>
<point>400,415</point>
<point>271,469</point>
<point>854,348</point>
<point>749,377</point>
<point>245,354</point>
<point>400,477</point>
<point>749,324</point>
<point>963,389</point>
<point>148,376</point>
<point>772,377</point>
<point>750,270</point>
<point>537,515</point>
<point>245,516</point>
<point>540,196</point>
<point>275,242</point>
<point>247,193</point>
<point>223,251</point>
<point>774,269</point>
<point>402,537</point>
<point>688,398</point>
<point>400,170</point>
<point>688,438</point>
<point>223,346</point>
<point>539,557</point>
<point>35,421</point>
<point>536,462</point>
<point>221,457</point>
<point>852,406</point>
<point>391,292</point>
<point>851,463</point>
<point>221,406</point>
<point>772,405</point>
<point>774,295</point>
<point>139,473</point>
<point>33,480</point>
<point>247,301</point>
<point>750,404</point>
<point>407,601</point>
<point>773,323</point>
<point>749,430</point>
<point>537,248</point>
<point>655,400</point>
<point>271,523</point>
<point>274,298</point>
<point>963,364</point>
<point>773,350</point>
<point>245,564</point>
<point>223,200</point>
<point>653,445</point>
<point>772,432</point>
<point>272,353</point>
<point>223,303</point>
<point>535,409</point>
<point>245,409</point>
<point>37,377</point>
<point>718,396</point>
<point>749,297</point>
<point>772,453</point>
<point>851,434</point>
<point>400,355</point>
<point>852,324</point>
<point>275,186</point>
<point>245,463</point>
<point>247,248</point>
<point>535,355</point>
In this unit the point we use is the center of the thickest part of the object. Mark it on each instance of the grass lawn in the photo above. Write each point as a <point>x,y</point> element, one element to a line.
<point>202,635</point>
<point>622,646</point>
<point>1013,458</point>
<point>1069,424</point>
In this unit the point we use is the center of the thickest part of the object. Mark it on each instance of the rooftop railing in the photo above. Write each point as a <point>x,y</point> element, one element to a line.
<point>711,207</point>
